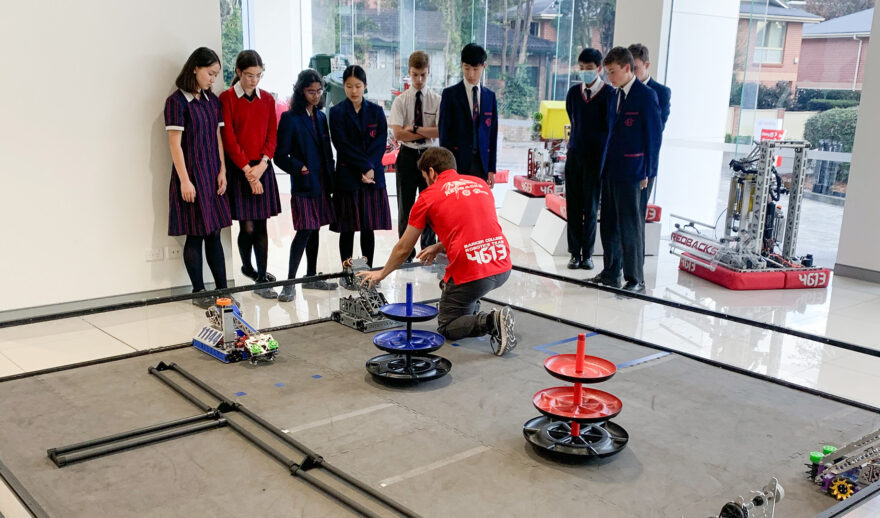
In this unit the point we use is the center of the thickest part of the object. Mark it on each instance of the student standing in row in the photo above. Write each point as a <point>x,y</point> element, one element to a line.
<point>197,207</point>
<point>249,138</point>
<point>632,144</point>
<point>414,123</point>
<point>642,65</point>
<point>469,118</point>
<point>304,153</point>
<point>359,132</point>
<point>587,107</point>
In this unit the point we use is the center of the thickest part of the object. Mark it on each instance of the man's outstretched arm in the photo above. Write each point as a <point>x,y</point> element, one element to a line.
<point>399,254</point>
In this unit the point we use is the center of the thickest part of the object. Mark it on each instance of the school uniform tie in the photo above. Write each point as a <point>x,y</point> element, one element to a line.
<point>475,113</point>
<point>418,119</point>
<point>622,99</point>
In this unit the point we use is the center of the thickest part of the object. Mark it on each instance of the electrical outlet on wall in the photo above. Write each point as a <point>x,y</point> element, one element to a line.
<point>153,254</point>
<point>173,252</point>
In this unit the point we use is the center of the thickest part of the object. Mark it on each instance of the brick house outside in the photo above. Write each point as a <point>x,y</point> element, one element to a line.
<point>769,40</point>
<point>833,52</point>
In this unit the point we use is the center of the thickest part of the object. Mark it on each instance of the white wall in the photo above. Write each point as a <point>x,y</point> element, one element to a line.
<point>85,156</point>
<point>638,21</point>
<point>859,250</point>
<point>701,40</point>
<point>283,42</point>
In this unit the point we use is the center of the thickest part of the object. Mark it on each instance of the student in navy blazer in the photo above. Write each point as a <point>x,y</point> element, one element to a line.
<point>632,148</point>
<point>359,132</point>
<point>642,61</point>
<point>303,151</point>
<point>470,130</point>
<point>587,108</point>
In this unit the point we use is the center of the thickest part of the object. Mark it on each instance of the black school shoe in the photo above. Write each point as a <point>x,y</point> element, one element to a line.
<point>320,285</point>
<point>574,263</point>
<point>288,293</point>
<point>587,264</point>
<point>604,279</point>
<point>252,274</point>
<point>635,287</point>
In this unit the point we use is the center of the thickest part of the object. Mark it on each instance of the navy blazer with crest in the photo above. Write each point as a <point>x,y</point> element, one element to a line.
<point>634,139</point>
<point>359,139</point>
<point>456,127</point>
<point>300,145</point>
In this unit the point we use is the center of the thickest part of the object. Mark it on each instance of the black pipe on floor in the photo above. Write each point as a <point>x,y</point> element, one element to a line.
<point>132,433</point>
<point>703,311</point>
<point>714,363</point>
<point>312,460</point>
<point>107,449</point>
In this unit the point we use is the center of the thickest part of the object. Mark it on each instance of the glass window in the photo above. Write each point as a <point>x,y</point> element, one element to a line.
<point>770,42</point>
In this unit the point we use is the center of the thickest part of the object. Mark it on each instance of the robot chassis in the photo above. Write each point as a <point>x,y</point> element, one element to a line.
<point>757,236</point>
<point>844,472</point>
<point>229,338</point>
<point>362,312</point>
<point>761,505</point>
<point>545,172</point>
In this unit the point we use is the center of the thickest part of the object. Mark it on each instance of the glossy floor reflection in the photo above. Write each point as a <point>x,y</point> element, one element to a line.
<point>845,311</point>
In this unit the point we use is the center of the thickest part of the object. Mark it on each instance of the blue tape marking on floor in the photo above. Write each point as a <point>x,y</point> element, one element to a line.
<point>637,361</point>
<point>241,394</point>
<point>279,384</point>
<point>317,376</point>
<point>455,344</point>
<point>544,348</point>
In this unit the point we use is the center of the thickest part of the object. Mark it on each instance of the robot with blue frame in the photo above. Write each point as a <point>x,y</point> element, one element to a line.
<point>844,472</point>
<point>229,338</point>
<point>407,357</point>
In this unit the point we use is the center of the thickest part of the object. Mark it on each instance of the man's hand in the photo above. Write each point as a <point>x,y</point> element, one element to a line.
<point>491,180</point>
<point>643,184</point>
<point>370,278</point>
<point>427,255</point>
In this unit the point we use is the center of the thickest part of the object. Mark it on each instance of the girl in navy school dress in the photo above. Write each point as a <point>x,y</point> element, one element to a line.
<point>197,207</point>
<point>304,152</point>
<point>359,132</point>
<point>249,137</point>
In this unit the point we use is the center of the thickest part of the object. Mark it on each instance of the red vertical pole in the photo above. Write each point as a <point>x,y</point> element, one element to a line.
<point>579,368</point>
<point>579,358</point>
<point>576,427</point>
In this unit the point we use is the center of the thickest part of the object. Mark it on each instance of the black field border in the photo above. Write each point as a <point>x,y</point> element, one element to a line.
<point>714,363</point>
<point>703,311</point>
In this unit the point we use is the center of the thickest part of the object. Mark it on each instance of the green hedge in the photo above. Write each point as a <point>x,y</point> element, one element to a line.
<point>804,96</point>
<point>837,124</point>
<point>819,105</point>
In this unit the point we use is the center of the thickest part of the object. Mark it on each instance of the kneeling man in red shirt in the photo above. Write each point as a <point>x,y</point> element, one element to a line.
<point>461,210</point>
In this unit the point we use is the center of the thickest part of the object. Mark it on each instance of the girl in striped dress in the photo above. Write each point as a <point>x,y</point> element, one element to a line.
<point>249,137</point>
<point>197,207</point>
<point>304,153</point>
<point>359,131</point>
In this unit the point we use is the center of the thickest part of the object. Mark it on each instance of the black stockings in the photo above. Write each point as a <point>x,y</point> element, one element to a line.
<point>368,245</point>
<point>304,240</point>
<point>192,258</point>
<point>252,235</point>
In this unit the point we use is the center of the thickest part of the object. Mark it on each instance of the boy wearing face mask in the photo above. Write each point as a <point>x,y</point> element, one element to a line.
<point>587,107</point>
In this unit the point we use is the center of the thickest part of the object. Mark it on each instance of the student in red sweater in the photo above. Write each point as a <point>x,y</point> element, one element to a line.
<point>249,138</point>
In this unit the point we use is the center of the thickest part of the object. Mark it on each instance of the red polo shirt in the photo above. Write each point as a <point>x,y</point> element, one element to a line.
<point>461,211</point>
